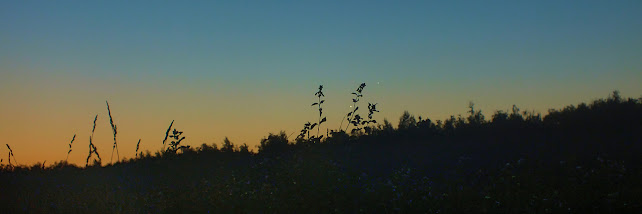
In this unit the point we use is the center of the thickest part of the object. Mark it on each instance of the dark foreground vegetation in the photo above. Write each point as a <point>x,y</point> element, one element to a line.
<point>580,159</point>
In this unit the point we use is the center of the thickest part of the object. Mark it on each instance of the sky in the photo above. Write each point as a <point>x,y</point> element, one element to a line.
<point>244,69</point>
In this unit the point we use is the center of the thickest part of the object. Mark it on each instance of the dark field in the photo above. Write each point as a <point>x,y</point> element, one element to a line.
<point>580,159</point>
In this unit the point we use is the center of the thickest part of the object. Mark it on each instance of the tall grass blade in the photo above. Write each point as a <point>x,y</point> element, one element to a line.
<point>138,144</point>
<point>11,155</point>
<point>167,133</point>
<point>113,128</point>
<point>72,141</point>
<point>92,147</point>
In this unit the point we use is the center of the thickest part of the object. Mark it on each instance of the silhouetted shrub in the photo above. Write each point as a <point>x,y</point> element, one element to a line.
<point>274,143</point>
<point>204,148</point>
<point>475,117</point>
<point>407,121</point>
<point>228,146</point>
<point>244,149</point>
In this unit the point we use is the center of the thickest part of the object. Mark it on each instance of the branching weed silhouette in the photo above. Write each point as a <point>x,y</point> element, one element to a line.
<point>306,130</point>
<point>319,94</point>
<point>372,108</point>
<point>310,126</point>
<point>72,141</point>
<point>352,116</point>
<point>174,145</point>
<point>113,128</point>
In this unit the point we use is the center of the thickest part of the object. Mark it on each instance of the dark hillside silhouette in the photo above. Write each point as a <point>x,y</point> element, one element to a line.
<point>579,159</point>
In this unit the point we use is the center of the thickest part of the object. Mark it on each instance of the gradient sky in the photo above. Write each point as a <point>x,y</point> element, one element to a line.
<point>243,69</point>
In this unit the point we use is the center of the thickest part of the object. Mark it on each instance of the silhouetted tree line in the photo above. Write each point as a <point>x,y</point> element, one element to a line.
<point>365,167</point>
<point>603,126</point>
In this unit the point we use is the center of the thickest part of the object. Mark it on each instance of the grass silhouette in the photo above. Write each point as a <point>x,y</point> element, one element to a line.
<point>113,128</point>
<point>10,155</point>
<point>167,133</point>
<point>92,147</point>
<point>70,143</point>
<point>137,146</point>
<point>581,159</point>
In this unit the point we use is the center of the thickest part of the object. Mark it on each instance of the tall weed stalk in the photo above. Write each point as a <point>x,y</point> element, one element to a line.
<point>310,126</point>
<point>352,116</point>
<point>319,94</point>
